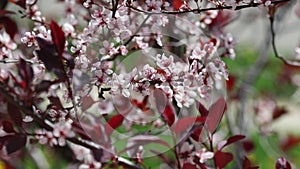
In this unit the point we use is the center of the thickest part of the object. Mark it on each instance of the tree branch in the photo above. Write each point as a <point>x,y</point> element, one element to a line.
<point>197,11</point>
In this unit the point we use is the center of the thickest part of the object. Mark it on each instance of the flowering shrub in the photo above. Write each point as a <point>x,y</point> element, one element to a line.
<point>114,83</point>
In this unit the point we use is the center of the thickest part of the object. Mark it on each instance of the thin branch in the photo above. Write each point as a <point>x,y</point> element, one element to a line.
<point>277,55</point>
<point>197,11</point>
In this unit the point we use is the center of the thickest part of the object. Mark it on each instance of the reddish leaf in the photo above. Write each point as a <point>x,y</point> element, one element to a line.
<point>278,112</point>
<point>197,133</point>
<point>290,142</point>
<point>54,101</point>
<point>26,72</point>
<point>168,114</point>
<point>189,166</point>
<point>230,82</point>
<point>248,146</point>
<point>247,164</point>
<point>229,141</point>
<point>215,115</point>
<point>186,123</point>
<point>114,123</point>
<point>15,114</point>
<point>58,37</point>
<point>282,163</point>
<point>15,143</point>
<point>222,158</point>
<point>87,102</point>
<point>177,4</point>
<point>202,110</point>
<point>51,59</point>
<point>5,12</point>
<point>141,105</point>
<point>21,3</point>
<point>9,25</point>
<point>8,127</point>
<point>44,85</point>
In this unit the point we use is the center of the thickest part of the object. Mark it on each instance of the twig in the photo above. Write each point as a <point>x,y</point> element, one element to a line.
<point>197,11</point>
<point>277,55</point>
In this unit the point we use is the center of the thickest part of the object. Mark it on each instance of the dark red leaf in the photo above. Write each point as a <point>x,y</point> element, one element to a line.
<point>177,4</point>
<point>189,166</point>
<point>54,101</point>
<point>290,142</point>
<point>278,112</point>
<point>44,85</point>
<point>247,164</point>
<point>202,110</point>
<point>15,114</point>
<point>230,82</point>
<point>222,158</point>
<point>248,146</point>
<point>58,37</point>
<point>282,163</point>
<point>196,135</point>
<point>141,105</point>
<point>5,12</point>
<point>26,72</point>
<point>168,114</point>
<point>229,141</point>
<point>9,25</point>
<point>51,59</point>
<point>114,123</point>
<point>215,115</point>
<point>21,3</point>
<point>186,123</point>
<point>8,127</point>
<point>15,143</point>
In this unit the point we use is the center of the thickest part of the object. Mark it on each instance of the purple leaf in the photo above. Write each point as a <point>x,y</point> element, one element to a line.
<point>15,114</point>
<point>189,166</point>
<point>15,143</point>
<point>55,102</point>
<point>282,163</point>
<point>215,115</point>
<point>8,127</point>
<point>51,58</point>
<point>222,158</point>
<point>187,123</point>
<point>26,72</point>
<point>21,3</point>
<point>58,37</point>
<point>4,12</point>
<point>202,110</point>
<point>9,25</point>
<point>44,85</point>
<point>247,164</point>
<point>168,114</point>
<point>229,141</point>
